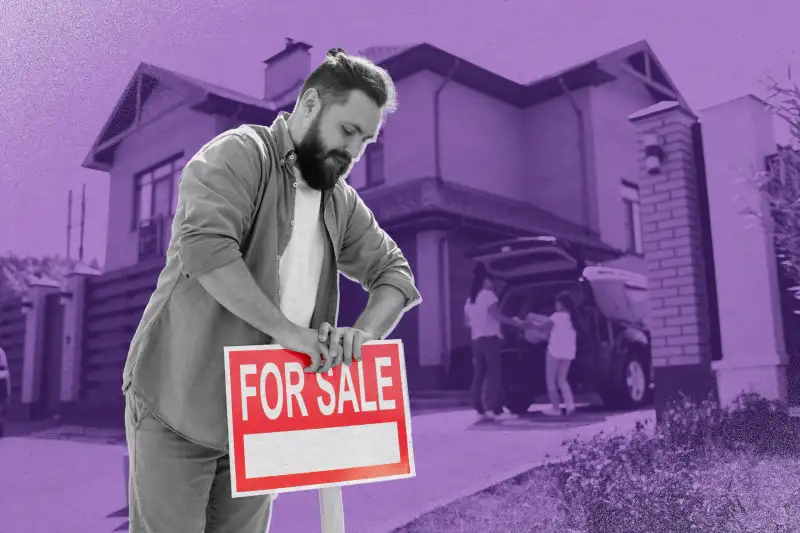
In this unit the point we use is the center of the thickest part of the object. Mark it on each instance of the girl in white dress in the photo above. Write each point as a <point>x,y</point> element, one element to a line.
<point>561,349</point>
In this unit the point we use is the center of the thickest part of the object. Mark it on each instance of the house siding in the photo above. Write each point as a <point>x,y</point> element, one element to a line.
<point>530,154</point>
<point>553,159</point>
<point>180,130</point>
<point>616,151</point>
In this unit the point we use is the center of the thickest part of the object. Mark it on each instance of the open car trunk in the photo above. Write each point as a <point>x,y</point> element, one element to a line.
<point>539,258</point>
<point>532,271</point>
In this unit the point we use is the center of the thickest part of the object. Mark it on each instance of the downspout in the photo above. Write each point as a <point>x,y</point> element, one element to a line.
<point>444,283</point>
<point>583,156</point>
<point>443,248</point>
<point>436,141</point>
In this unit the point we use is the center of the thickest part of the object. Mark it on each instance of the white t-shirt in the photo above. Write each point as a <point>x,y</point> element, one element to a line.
<point>300,264</point>
<point>562,343</point>
<point>480,322</point>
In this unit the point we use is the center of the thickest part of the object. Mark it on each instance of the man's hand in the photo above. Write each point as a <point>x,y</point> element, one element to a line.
<point>344,344</point>
<point>307,341</point>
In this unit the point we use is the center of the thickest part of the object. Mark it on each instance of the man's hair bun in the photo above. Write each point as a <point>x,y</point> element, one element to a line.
<point>333,52</point>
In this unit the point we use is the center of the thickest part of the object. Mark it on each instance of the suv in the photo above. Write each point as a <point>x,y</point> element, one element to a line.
<point>613,356</point>
<point>5,390</point>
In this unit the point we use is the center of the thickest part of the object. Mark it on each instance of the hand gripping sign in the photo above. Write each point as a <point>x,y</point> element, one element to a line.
<point>289,430</point>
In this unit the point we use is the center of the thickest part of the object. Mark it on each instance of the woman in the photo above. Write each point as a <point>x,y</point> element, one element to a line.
<point>483,318</point>
<point>561,348</point>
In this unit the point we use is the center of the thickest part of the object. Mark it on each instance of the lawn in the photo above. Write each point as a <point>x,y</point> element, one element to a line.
<point>705,469</point>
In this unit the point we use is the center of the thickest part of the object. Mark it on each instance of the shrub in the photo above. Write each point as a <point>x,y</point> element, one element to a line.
<point>659,480</point>
<point>752,422</point>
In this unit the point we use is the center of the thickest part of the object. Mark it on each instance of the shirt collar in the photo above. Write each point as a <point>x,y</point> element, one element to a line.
<point>285,144</point>
<point>287,150</point>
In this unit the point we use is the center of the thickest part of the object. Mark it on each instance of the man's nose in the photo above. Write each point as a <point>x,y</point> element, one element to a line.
<point>354,149</point>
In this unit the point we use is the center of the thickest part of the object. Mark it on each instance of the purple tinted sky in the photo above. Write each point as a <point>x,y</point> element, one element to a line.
<point>63,64</point>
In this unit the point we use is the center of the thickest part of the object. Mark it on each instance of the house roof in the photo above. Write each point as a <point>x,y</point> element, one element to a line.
<point>405,60</point>
<point>636,59</point>
<point>200,96</point>
<point>401,61</point>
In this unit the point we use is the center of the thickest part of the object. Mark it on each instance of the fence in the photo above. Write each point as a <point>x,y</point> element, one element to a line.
<point>67,345</point>
<point>114,304</point>
<point>12,341</point>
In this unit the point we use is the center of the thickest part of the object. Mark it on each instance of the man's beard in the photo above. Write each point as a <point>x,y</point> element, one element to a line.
<point>320,168</point>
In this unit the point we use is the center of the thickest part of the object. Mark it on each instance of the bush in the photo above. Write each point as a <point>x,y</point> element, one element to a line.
<point>659,480</point>
<point>753,423</point>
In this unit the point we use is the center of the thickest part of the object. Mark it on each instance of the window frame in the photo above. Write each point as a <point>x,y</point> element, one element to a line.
<point>375,151</point>
<point>631,200</point>
<point>173,176</point>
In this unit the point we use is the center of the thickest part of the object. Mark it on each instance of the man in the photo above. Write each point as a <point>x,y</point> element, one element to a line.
<point>264,224</point>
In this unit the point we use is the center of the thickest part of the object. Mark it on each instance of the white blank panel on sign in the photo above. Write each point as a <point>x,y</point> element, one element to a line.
<point>318,450</point>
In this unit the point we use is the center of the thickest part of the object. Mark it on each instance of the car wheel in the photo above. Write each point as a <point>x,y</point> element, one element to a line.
<point>630,383</point>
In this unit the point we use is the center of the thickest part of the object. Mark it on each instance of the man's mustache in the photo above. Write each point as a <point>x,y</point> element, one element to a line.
<point>339,157</point>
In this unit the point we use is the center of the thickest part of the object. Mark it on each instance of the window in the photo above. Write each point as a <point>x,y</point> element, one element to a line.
<point>375,171</point>
<point>633,217</point>
<point>156,191</point>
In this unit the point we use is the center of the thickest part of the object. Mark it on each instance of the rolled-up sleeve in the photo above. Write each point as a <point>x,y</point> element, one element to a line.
<point>370,256</point>
<point>217,195</point>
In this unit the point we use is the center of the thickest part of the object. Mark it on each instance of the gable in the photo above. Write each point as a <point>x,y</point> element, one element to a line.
<point>163,99</point>
<point>640,63</point>
<point>137,92</point>
<point>150,93</point>
<point>153,92</point>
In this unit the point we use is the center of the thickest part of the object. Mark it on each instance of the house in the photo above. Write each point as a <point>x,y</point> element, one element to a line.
<point>469,157</point>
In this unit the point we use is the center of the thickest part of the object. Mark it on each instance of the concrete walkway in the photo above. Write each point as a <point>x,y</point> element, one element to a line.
<point>64,485</point>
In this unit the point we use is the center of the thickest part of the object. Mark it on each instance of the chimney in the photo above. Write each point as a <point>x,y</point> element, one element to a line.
<point>285,73</point>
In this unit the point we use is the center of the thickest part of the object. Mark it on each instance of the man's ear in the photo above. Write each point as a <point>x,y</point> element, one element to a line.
<point>311,100</point>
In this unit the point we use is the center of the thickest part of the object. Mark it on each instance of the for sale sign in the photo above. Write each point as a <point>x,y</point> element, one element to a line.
<point>290,430</point>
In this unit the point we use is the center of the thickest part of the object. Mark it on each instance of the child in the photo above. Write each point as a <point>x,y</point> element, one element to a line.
<point>561,348</point>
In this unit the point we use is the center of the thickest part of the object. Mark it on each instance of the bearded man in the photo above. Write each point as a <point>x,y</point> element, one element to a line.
<point>265,222</point>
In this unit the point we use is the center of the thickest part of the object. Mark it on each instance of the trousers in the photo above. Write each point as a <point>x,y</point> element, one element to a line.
<point>488,373</point>
<point>177,486</point>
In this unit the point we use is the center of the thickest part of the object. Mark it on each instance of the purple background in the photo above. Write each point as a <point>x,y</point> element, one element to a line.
<point>63,66</point>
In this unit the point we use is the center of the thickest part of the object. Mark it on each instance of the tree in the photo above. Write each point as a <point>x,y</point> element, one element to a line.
<point>780,182</point>
<point>17,273</point>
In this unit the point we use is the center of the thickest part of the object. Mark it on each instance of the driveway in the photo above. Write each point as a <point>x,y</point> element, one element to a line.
<point>71,479</point>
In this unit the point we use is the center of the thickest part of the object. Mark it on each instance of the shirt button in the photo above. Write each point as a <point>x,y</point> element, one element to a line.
<point>291,223</point>
<point>294,184</point>
<point>279,257</point>
<point>279,292</point>
<point>283,161</point>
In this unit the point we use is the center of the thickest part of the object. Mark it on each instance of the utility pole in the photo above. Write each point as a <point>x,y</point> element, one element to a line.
<point>69,226</point>
<point>83,222</point>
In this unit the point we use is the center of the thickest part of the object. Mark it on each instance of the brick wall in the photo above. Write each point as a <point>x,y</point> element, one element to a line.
<point>674,253</point>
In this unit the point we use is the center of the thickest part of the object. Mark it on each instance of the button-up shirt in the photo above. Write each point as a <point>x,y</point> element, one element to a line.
<point>236,200</point>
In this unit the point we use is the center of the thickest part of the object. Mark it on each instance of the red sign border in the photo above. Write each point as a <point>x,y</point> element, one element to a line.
<point>390,470</point>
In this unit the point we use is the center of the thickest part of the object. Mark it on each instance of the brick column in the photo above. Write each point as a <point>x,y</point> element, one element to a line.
<point>674,254</point>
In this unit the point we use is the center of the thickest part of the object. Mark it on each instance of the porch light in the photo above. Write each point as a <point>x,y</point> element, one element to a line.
<point>653,154</point>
